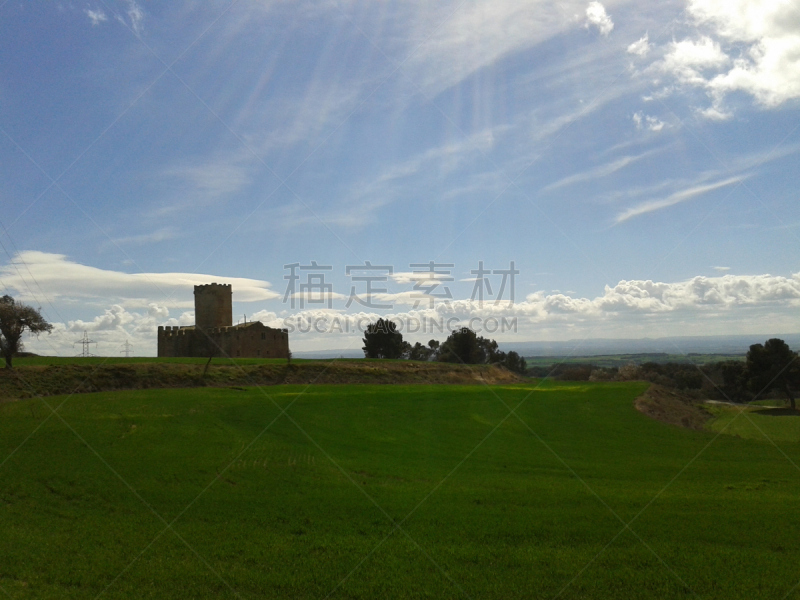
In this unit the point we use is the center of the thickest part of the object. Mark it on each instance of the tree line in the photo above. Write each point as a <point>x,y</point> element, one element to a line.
<point>382,340</point>
<point>770,369</point>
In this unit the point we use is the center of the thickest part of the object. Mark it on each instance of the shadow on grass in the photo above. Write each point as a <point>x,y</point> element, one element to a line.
<point>778,412</point>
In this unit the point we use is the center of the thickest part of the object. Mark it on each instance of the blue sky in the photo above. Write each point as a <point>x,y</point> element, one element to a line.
<point>637,161</point>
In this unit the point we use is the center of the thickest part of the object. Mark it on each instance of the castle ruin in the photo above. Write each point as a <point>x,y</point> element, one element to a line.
<point>214,333</point>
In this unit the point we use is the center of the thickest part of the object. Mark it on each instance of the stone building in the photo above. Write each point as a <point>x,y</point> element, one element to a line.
<point>214,331</point>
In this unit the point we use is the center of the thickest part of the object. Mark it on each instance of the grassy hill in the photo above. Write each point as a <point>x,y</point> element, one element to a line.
<point>49,376</point>
<point>364,491</point>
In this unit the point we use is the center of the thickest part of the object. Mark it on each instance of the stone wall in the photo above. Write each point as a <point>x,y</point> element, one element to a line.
<point>251,340</point>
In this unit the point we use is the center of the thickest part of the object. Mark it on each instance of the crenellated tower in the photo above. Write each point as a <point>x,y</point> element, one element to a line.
<point>214,333</point>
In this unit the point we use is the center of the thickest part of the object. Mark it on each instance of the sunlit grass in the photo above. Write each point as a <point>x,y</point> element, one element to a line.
<point>304,504</point>
<point>776,423</point>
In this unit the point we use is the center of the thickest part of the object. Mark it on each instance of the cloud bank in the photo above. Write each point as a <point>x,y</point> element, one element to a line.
<point>766,302</point>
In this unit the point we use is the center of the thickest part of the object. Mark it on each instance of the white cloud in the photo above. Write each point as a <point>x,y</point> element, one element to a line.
<point>747,46</point>
<point>688,59</point>
<point>421,276</point>
<point>115,317</point>
<point>96,16</point>
<point>716,113</point>
<point>59,279</point>
<point>631,306</point>
<point>641,46</point>
<point>628,304</point>
<point>596,15</point>
<point>676,198</point>
<point>651,123</point>
<point>721,269</point>
<point>135,16</point>
<point>626,297</point>
<point>447,47</point>
<point>602,170</point>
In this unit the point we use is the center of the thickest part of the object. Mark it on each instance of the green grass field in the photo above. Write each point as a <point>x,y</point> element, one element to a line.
<point>363,491</point>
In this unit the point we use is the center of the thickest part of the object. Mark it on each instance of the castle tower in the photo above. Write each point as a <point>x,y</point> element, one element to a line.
<point>213,305</point>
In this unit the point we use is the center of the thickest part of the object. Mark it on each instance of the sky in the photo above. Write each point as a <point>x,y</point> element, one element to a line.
<point>536,170</point>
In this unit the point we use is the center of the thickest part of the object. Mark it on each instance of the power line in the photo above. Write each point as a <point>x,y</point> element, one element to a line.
<point>85,341</point>
<point>127,349</point>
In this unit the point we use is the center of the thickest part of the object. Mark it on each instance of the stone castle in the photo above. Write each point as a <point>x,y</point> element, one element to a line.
<point>214,333</point>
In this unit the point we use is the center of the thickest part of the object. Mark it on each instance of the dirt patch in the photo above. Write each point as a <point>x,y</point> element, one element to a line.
<point>672,407</point>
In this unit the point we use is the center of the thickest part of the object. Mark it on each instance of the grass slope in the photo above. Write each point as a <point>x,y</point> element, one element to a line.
<point>387,492</point>
<point>776,423</point>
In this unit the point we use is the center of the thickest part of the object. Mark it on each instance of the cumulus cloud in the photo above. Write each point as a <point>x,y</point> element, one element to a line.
<point>690,60</point>
<point>641,46</point>
<point>634,303</point>
<point>746,46</point>
<point>96,16</point>
<point>596,16</point>
<point>115,317</point>
<point>626,297</point>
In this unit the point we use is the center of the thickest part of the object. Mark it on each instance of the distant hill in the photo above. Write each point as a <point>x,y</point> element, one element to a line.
<point>716,344</point>
<point>720,344</point>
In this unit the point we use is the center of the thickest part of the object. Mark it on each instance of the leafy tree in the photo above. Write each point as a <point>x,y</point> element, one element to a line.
<point>16,319</point>
<point>773,366</point>
<point>465,346</point>
<point>729,380</point>
<point>419,352</point>
<point>462,346</point>
<point>491,353</point>
<point>382,340</point>
<point>514,362</point>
